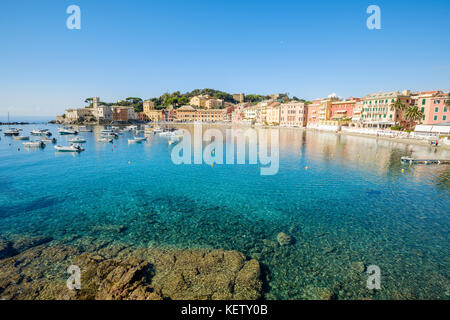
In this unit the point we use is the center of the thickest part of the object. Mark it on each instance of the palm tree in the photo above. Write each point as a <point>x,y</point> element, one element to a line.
<point>400,107</point>
<point>413,114</point>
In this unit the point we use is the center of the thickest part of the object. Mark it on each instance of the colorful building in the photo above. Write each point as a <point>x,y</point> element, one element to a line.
<point>186,114</point>
<point>273,114</point>
<point>313,113</point>
<point>293,114</point>
<point>343,109</point>
<point>378,110</point>
<point>433,105</point>
<point>209,115</point>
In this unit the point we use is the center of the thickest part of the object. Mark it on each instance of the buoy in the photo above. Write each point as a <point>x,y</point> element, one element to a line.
<point>18,149</point>
<point>306,168</point>
<point>129,162</point>
<point>212,165</point>
<point>403,170</point>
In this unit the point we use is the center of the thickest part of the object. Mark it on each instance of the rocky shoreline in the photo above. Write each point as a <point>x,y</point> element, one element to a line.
<point>35,269</point>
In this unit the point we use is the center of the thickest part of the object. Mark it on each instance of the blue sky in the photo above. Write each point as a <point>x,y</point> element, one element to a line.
<point>145,48</point>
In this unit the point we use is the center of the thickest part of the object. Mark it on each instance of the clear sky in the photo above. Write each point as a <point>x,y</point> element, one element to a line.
<point>145,48</point>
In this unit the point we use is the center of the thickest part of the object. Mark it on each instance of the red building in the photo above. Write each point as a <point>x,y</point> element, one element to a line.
<point>343,109</point>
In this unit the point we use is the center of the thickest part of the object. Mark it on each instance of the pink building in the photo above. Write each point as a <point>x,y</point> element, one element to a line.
<point>433,106</point>
<point>237,114</point>
<point>343,109</point>
<point>313,112</point>
<point>293,114</point>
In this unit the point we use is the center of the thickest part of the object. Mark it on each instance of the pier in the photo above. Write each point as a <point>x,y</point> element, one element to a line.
<point>424,161</point>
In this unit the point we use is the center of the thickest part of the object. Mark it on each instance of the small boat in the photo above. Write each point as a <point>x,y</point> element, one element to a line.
<point>11,132</point>
<point>66,131</point>
<point>157,130</point>
<point>131,128</point>
<point>71,148</point>
<point>84,129</point>
<point>41,132</point>
<point>137,140</point>
<point>165,134</point>
<point>21,138</point>
<point>48,140</point>
<point>107,140</point>
<point>77,140</point>
<point>34,144</point>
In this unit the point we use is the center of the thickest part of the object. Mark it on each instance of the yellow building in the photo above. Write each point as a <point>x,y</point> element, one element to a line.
<point>186,114</point>
<point>150,112</point>
<point>273,114</point>
<point>205,101</point>
<point>210,115</point>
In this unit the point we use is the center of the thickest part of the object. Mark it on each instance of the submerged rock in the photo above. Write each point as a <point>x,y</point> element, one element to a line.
<point>284,239</point>
<point>147,273</point>
<point>358,267</point>
<point>317,293</point>
<point>6,249</point>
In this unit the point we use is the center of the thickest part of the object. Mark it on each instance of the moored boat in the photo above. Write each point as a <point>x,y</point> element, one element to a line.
<point>66,131</point>
<point>71,148</point>
<point>84,129</point>
<point>77,140</point>
<point>41,132</point>
<point>34,144</point>
<point>48,140</point>
<point>107,140</point>
<point>21,138</point>
<point>11,132</point>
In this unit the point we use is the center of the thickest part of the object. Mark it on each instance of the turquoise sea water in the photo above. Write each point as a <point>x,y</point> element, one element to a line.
<point>353,204</point>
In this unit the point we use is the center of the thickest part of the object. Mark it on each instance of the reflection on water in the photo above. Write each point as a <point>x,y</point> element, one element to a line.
<point>344,199</point>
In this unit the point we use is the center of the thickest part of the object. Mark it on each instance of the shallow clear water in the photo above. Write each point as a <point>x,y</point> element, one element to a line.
<point>352,205</point>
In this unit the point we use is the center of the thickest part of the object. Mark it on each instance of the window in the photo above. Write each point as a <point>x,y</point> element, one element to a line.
<point>435,117</point>
<point>423,109</point>
<point>390,116</point>
<point>423,101</point>
<point>436,109</point>
<point>445,109</point>
<point>444,117</point>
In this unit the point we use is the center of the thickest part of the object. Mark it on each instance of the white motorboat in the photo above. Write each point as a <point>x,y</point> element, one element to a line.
<point>66,131</point>
<point>157,130</point>
<point>132,128</point>
<point>110,135</point>
<point>84,129</point>
<point>166,134</point>
<point>77,140</point>
<point>48,140</point>
<point>107,140</point>
<point>34,144</point>
<point>71,148</point>
<point>21,138</point>
<point>11,132</point>
<point>137,140</point>
<point>41,132</point>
